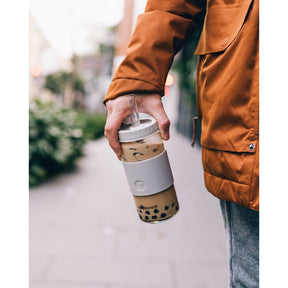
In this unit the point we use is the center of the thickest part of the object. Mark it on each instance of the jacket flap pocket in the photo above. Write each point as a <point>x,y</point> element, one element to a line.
<point>221,27</point>
<point>230,140</point>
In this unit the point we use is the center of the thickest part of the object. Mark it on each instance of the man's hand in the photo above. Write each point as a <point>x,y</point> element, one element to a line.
<point>118,110</point>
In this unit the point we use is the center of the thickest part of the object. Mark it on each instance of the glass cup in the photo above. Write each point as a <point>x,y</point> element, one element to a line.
<point>160,205</point>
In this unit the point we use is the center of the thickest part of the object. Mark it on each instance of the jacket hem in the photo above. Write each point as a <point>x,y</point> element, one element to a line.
<point>228,190</point>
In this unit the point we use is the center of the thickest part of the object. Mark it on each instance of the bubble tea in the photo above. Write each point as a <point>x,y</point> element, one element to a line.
<point>147,168</point>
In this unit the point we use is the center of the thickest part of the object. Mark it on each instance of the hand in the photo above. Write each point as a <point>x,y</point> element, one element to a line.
<point>118,110</point>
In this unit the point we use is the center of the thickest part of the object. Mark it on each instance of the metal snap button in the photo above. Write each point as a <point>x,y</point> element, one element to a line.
<point>251,146</point>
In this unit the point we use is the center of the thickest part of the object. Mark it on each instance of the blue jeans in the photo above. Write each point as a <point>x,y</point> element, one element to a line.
<point>242,229</point>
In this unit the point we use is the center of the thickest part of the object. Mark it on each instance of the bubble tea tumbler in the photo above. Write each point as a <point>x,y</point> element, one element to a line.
<point>147,167</point>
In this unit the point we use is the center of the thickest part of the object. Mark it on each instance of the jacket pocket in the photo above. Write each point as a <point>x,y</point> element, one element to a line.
<point>223,89</point>
<point>230,176</point>
<point>221,26</point>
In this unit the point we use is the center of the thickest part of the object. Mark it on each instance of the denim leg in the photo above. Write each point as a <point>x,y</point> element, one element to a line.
<point>242,229</point>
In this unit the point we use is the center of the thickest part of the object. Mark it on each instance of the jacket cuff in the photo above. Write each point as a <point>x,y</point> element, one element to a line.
<point>125,86</point>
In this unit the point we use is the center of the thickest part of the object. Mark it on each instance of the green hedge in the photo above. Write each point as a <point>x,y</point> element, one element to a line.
<point>56,138</point>
<point>93,124</point>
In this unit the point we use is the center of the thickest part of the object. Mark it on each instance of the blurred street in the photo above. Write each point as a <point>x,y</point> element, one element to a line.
<point>85,231</point>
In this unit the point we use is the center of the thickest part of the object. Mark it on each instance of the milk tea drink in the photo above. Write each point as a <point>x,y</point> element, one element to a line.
<point>148,171</point>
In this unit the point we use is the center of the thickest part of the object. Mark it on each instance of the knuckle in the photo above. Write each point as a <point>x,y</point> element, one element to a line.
<point>108,128</point>
<point>165,123</point>
<point>105,134</point>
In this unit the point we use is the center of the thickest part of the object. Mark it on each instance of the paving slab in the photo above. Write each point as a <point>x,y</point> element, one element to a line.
<point>69,285</point>
<point>85,231</point>
<point>201,274</point>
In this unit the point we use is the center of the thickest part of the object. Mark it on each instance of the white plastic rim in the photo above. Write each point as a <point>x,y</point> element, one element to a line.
<point>131,133</point>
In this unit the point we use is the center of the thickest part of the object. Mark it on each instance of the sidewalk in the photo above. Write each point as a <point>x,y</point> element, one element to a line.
<point>85,231</point>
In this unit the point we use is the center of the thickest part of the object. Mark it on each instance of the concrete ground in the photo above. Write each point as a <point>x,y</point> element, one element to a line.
<point>85,232</point>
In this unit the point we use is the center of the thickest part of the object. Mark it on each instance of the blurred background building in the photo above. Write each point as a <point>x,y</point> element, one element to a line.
<point>43,60</point>
<point>79,78</point>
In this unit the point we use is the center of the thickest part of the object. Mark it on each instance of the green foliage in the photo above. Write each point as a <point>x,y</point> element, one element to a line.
<point>53,83</point>
<point>93,124</point>
<point>56,82</point>
<point>57,136</point>
<point>55,140</point>
<point>79,85</point>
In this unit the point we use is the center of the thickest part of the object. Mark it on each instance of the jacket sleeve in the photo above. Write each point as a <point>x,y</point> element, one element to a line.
<point>159,34</point>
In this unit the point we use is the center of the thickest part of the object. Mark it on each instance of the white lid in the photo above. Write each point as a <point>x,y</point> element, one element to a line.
<point>147,127</point>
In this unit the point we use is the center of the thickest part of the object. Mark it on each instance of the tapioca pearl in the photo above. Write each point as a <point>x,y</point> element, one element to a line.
<point>176,208</point>
<point>140,211</point>
<point>154,217</point>
<point>141,207</point>
<point>147,212</point>
<point>173,204</point>
<point>140,217</point>
<point>163,215</point>
<point>156,211</point>
<point>146,218</point>
<point>166,208</point>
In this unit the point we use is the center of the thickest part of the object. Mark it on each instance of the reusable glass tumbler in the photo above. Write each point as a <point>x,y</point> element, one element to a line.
<point>148,170</point>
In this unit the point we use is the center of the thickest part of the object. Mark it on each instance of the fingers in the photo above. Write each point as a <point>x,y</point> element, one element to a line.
<point>118,110</point>
<point>152,105</point>
<point>111,133</point>
<point>163,123</point>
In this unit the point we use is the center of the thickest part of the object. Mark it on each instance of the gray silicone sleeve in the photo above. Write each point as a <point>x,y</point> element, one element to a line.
<point>149,176</point>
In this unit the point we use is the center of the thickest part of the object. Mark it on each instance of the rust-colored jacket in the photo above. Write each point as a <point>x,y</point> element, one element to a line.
<point>227,83</point>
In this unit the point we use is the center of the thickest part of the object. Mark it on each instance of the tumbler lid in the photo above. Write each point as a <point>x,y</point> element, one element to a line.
<point>129,133</point>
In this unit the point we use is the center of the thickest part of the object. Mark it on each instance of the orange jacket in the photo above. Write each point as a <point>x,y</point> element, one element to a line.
<point>227,83</point>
